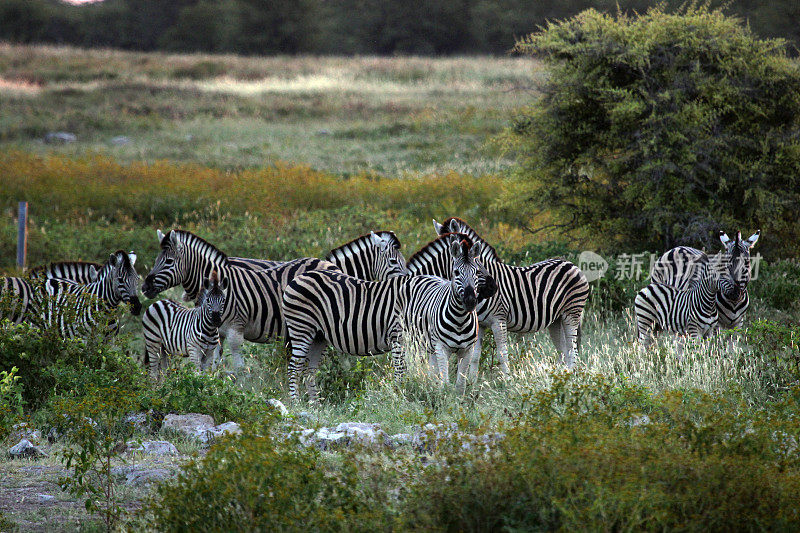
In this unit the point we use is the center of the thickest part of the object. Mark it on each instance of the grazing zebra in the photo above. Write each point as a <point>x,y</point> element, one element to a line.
<point>170,328</point>
<point>254,310</point>
<point>372,257</point>
<point>681,266</point>
<point>75,308</point>
<point>550,294</point>
<point>366,318</point>
<point>691,311</point>
<point>78,271</point>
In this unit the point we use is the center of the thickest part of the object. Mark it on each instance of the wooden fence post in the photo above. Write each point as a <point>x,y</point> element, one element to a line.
<point>22,236</point>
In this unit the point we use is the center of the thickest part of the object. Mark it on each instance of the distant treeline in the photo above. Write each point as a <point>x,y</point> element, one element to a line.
<point>425,27</point>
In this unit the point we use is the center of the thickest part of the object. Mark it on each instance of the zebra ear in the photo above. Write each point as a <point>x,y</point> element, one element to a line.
<point>724,239</point>
<point>173,238</point>
<point>751,241</point>
<point>476,250</point>
<point>92,274</point>
<point>207,283</point>
<point>224,284</point>
<point>132,257</point>
<point>455,247</point>
<point>160,236</point>
<point>112,259</point>
<point>379,241</point>
<point>438,228</point>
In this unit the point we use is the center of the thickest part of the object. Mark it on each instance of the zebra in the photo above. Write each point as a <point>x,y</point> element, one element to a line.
<point>254,310</point>
<point>680,268</point>
<point>691,311</point>
<point>17,293</point>
<point>75,308</point>
<point>372,257</point>
<point>365,318</point>
<point>170,328</point>
<point>78,271</point>
<point>550,294</point>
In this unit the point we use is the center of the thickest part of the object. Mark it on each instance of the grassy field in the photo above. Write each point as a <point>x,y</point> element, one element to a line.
<point>287,157</point>
<point>377,115</point>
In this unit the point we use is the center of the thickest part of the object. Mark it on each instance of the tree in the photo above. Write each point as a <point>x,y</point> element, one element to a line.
<point>659,129</point>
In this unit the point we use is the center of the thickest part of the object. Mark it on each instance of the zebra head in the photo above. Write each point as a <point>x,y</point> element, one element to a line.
<point>737,253</point>
<point>389,261</point>
<point>125,279</point>
<point>213,299</point>
<point>169,267</point>
<point>465,269</point>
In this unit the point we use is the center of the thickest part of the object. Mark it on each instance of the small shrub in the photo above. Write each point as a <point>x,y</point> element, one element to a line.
<point>778,284</point>
<point>11,401</point>
<point>256,482</point>
<point>777,348</point>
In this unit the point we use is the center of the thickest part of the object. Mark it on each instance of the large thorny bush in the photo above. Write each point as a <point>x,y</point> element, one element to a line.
<point>659,129</point>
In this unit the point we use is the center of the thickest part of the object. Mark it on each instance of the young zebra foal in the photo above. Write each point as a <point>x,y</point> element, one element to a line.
<point>691,312</point>
<point>170,328</point>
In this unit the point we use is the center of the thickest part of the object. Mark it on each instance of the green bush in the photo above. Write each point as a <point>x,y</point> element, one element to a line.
<point>581,459</point>
<point>256,482</point>
<point>778,284</point>
<point>777,347</point>
<point>185,390</point>
<point>659,129</point>
<point>11,401</point>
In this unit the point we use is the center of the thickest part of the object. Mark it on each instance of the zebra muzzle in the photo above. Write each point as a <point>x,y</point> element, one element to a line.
<point>136,305</point>
<point>470,299</point>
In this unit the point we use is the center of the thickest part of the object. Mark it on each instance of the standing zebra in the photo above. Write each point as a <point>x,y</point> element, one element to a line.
<point>372,257</point>
<point>170,328</point>
<point>691,311</point>
<point>550,294</point>
<point>16,293</point>
<point>254,310</point>
<point>76,308</point>
<point>681,266</point>
<point>366,318</point>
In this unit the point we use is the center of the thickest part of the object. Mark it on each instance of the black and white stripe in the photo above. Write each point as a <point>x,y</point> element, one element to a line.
<point>172,329</point>
<point>366,318</point>
<point>254,310</point>
<point>551,294</point>
<point>691,311</point>
<point>680,268</point>
<point>78,271</point>
<point>75,308</point>
<point>16,298</point>
<point>372,257</point>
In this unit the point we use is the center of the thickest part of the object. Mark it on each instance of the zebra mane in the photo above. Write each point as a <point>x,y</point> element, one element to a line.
<point>106,267</point>
<point>354,247</point>
<point>438,245</point>
<point>205,248</point>
<point>488,252</point>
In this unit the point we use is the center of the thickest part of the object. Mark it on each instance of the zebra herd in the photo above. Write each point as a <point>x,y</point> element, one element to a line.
<point>364,299</point>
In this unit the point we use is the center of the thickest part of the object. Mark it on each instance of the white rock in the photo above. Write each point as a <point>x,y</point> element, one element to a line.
<point>25,448</point>
<point>153,447</point>
<point>192,425</point>
<point>228,427</point>
<point>278,405</point>
<point>137,420</point>
<point>44,498</point>
<point>120,140</point>
<point>60,137</point>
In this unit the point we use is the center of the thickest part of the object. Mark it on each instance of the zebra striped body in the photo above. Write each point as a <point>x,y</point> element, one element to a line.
<point>254,311</point>
<point>366,318</point>
<point>550,294</point>
<point>75,308</point>
<point>375,256</point>
<point>692,311</point>
<point>77,271</point>
<point>16,297</point>
<point>680,267</point>
<point>170,328</point>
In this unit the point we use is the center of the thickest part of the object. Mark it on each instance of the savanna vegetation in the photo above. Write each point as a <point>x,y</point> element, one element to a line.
<point>287,157</point>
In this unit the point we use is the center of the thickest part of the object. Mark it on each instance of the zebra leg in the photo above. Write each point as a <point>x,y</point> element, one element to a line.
<point>442,356</point>
<point>557,335</point>
<point>398,360</point>
<point>194,357</point>
<point>235,340</point>
<point>433,362</point>
<point>569,331</point>
<point>464,357</point>
<point>313,358</point>
<point>475,360</point>
<point>297,361</point>
<point>500,332</point>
